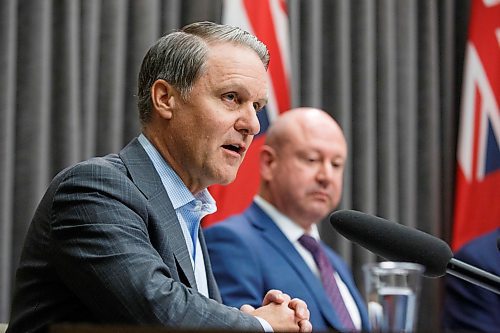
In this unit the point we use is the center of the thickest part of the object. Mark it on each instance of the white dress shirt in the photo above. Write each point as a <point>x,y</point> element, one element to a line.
<point>293,231</point>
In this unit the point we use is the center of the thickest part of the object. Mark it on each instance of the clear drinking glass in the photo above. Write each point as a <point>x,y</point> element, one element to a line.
<point>392,292</point>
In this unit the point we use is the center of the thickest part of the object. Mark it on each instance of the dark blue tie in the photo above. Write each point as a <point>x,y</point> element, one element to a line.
<point>328,279</point>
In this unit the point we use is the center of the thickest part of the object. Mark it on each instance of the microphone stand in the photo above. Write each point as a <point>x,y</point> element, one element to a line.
<point>473,275</point>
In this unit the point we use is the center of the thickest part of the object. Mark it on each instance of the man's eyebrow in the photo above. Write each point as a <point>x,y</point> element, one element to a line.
<point>243,89</point>
<point>263,101</point>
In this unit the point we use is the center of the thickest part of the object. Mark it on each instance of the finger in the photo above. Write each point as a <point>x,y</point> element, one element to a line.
<point>246,308</point>
<point>286,297</point>
<point>300,307</point>
<point>305,326</point>
<point>273,296</point>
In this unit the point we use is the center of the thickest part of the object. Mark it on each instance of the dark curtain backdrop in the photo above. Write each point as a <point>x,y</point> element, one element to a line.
<point>388,70</point>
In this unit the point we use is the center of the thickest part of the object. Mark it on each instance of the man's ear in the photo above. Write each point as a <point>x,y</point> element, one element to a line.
<point>267,162</point>
<point>163,96</point>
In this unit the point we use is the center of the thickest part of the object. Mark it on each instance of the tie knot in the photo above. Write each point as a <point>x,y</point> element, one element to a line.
<point>309,242</point>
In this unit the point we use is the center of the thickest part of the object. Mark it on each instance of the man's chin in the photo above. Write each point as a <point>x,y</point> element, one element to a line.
<point>320,210</point>
<point>226,178</point>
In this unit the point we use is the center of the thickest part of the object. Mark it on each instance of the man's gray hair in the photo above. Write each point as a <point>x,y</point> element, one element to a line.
<point>179,58</point>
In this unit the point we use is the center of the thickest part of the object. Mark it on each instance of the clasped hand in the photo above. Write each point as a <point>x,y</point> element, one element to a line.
<point>282,313</point>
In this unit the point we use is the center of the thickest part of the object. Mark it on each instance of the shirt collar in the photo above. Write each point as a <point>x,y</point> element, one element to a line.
<point>177,191</point>
<point>290,229</point>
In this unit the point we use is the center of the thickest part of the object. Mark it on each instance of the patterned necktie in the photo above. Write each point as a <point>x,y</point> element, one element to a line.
<point>328,279</point>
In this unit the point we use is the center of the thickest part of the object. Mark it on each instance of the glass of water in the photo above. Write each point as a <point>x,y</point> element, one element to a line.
<point>392,291</point>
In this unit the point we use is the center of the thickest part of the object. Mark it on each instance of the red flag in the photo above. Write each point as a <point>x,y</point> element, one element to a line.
<point>477,200</point>
<point>268,20</point>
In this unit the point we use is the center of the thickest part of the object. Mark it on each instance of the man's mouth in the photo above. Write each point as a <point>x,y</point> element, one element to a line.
<point>236,148</point>
<point>320,195</point>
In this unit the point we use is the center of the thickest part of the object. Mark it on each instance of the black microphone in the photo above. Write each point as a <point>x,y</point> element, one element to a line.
<point>396,242</point>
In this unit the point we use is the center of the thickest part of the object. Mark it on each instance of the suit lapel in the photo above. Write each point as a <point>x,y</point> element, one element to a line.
<point>273,235</point>
<point>358,299</point>
<point>213,289</point>
<point>148,181</point>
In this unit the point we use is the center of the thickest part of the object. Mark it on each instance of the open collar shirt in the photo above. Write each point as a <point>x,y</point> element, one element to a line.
<point>185,204</point>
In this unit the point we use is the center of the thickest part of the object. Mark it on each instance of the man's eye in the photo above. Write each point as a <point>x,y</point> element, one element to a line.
<point>230,96</point>
<point>337,165</point>
<point>257,107</point>
<point>309,159</point>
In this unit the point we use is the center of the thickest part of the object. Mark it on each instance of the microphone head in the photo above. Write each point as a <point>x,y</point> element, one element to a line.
<point>393,241</point>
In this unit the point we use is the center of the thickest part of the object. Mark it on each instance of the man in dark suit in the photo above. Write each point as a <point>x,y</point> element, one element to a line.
<point>116,239</point>
<point>467,307</point>
<point>275,242</point>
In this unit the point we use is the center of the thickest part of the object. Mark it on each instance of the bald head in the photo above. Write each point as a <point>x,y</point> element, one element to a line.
<point>299,123</point>
<point>302,164</point>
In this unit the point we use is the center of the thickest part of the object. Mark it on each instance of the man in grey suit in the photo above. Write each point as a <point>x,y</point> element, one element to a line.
<point>116,239</point>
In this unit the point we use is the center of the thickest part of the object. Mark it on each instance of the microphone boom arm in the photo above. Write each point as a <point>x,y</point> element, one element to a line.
<point>473,275</point>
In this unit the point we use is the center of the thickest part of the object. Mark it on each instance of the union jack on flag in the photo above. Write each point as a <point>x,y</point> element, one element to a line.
<point>477,201</point>
<point>268,20</point>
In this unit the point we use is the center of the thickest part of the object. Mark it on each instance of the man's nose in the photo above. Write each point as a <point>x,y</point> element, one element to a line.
<point>325,173</point>
<point>248,122</point>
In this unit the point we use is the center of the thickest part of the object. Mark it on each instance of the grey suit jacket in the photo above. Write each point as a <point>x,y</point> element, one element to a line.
<point>105,246</point>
